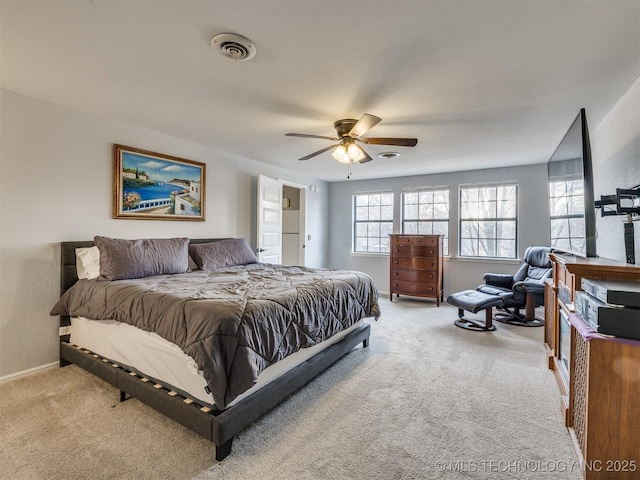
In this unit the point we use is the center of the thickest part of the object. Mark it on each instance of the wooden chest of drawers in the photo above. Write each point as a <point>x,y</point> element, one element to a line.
<point>416,266</point>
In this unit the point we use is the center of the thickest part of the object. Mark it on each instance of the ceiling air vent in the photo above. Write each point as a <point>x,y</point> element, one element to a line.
<point>234,46</point>
<point>388,155</point>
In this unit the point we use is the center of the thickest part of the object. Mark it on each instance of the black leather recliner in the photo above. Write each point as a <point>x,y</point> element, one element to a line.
<point>525,289</point>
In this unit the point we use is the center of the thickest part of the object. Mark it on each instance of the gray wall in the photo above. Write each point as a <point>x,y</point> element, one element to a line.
<point>459,273</point>
<point>56,185</point>
<point>615,148</point>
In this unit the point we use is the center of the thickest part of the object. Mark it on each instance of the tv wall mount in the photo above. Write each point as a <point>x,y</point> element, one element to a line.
<point>627,203</point>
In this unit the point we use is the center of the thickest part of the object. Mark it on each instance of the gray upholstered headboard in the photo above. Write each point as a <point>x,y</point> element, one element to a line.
<point>68,273</point>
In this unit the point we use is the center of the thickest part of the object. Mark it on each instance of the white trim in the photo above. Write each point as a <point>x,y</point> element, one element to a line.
<point>290,183</point>
<point>492,183</point>
<point>373,192</point>
<point>425,189</point>
<point>370,254</point>
<point>31,371</point>
<point>488,259</point>
<point>445,258</point>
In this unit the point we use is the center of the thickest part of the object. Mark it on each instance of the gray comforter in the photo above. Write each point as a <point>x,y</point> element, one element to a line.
<point>233,322</point>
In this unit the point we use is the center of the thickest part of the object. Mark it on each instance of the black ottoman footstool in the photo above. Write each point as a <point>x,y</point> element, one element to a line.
<point>474,301</point>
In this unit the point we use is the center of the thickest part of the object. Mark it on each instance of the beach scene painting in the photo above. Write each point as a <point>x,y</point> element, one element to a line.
<point>153,186</point>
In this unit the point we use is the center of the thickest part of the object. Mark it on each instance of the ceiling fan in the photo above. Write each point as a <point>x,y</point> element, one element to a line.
<point>349,132</point>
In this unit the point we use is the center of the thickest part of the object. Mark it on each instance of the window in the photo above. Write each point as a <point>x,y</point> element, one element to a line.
<point>426,211</point>
<point>373,222</point>
<point>488,220</point>
<point>566,200</point>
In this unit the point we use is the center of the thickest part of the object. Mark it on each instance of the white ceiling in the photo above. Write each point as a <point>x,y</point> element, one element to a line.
<point>479,83</point>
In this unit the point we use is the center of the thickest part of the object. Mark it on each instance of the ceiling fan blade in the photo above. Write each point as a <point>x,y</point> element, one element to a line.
<point>311,155</point>
<point>362,126</point>
<point>311,136</point>
<point>400,142</point>
<point>366,158</point>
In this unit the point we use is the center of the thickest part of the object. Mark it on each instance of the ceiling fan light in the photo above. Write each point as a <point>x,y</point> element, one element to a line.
<point>340,154</point>
<point>348,152</point>
<point>342,159</point>
<point>355,153</point>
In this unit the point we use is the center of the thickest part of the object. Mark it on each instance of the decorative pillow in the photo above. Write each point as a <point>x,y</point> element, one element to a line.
<point>88,262</point>
<point>121,259</point>
<point>224,253</point>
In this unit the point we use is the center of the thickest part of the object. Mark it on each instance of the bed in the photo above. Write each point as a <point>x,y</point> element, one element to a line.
<point>228,373</point>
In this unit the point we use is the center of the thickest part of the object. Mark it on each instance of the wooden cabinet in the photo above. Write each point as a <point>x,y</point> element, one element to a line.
<point>598,376</point>
<point>416,266</point>
<point>604,393</point>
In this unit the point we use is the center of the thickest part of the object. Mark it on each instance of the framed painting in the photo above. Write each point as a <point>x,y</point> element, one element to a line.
<point>153,186</point>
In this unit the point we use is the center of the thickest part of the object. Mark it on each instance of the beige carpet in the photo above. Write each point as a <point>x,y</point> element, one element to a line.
<point>426,400</point>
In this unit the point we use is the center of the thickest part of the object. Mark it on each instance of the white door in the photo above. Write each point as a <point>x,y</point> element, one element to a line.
<point>269,244</point>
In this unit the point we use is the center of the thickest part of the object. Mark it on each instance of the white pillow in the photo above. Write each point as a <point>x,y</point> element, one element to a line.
<point>88,262</point>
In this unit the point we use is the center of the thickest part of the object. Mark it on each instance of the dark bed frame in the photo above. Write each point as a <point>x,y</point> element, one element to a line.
<point>218,426</point>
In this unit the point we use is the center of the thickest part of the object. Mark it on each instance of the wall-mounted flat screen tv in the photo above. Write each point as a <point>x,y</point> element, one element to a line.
<point>571,198</point>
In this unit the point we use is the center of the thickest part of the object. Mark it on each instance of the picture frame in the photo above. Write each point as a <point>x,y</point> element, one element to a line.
<point>154,186</point>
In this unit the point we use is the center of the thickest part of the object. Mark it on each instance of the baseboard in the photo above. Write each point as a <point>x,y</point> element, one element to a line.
<point>31,371</point>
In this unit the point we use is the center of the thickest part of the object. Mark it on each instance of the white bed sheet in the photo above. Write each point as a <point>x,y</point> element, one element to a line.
<point>153,356</point>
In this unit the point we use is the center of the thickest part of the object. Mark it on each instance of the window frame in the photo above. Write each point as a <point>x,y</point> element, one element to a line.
<point>495,220</point>
<point>355,222</point>
<point>418,220</point>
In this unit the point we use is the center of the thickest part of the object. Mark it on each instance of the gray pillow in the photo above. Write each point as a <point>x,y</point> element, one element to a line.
<point>224,253</point>
<point>121,259</point>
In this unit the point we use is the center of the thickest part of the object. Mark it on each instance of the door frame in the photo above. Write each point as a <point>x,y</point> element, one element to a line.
<point>302,227</point>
